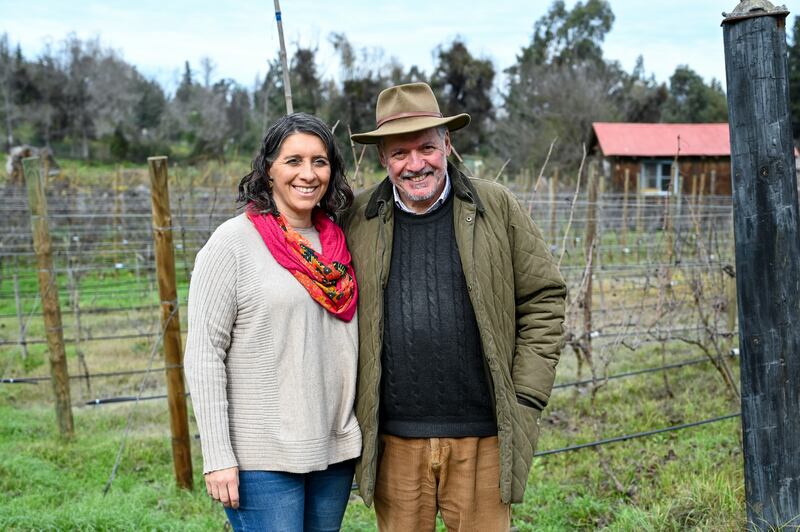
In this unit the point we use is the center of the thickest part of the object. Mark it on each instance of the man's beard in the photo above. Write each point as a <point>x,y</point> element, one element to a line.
<point>409,195</point>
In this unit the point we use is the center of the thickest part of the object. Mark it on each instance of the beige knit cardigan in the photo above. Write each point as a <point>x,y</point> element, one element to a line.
<point>271,373</point>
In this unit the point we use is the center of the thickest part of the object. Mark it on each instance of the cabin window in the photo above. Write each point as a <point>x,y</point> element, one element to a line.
<point>656,176</point>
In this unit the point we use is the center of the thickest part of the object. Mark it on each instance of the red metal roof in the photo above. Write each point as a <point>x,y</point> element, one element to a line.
<point>661,140</point>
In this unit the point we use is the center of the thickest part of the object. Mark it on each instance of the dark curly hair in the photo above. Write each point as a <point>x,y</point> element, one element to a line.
<point>254,187</point>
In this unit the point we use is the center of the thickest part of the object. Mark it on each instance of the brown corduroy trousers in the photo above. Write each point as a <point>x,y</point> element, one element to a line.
<point>459,477</point>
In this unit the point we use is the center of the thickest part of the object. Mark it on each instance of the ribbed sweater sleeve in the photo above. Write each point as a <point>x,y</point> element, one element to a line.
<point>212,312</point>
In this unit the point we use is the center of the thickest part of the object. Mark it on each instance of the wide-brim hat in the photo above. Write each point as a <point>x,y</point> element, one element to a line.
<point>406,109</point>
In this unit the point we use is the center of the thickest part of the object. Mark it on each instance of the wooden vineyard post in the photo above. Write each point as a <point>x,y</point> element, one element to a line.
<point>699,210</point>
<point>626,188</point>
<point>170,320</point>
<point>639,224</point>
<point>711,225</point>
<point>116,229</point>
<point>598,215</point>
<point>678,197</point>
<point>48,290</point>
<point>713,187</point>
<point>23,343</point>
<point>590,245</point>
<point>553,207</point>
<point>767,260</point>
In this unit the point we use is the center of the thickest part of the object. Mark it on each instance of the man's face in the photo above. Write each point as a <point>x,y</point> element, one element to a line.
<point>417,164</point>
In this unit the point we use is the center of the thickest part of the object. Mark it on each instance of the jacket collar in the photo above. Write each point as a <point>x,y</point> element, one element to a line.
<point>462,188</point>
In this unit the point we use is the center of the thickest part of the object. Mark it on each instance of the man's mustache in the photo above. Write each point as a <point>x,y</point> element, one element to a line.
<point>410,175</point>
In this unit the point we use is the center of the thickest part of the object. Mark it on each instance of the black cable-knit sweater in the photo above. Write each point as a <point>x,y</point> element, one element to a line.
<point>433,383</point>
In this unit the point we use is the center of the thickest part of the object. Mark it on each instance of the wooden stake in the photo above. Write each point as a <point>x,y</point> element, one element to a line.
<point>48,290</point>
<point>625,213</point>
<point>73,284</point>
<point>553,206</point>
<point>117,220</point>
<point>713,191</point>
<point>589,251</point>
<point>355,159</point>
<point>598,232</point>
<point>698,207</point>
<point>639,206</point>
<point>170,321</point>
<point>639,225</point>
<point>767,260</point>
<point>679,198</point>
<point>23,344</point>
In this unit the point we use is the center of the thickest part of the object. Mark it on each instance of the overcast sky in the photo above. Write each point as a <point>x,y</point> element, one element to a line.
<point>241,36</point>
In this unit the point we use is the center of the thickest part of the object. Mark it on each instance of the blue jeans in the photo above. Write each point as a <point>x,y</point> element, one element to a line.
<point>273,500</point>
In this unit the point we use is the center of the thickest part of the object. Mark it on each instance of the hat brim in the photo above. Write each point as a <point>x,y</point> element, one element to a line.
<point>411,125</point>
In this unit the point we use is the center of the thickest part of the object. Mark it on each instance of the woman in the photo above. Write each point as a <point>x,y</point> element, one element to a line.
<point>272,345</point>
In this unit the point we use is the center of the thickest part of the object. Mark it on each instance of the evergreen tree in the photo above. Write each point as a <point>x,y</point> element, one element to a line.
<point>565,36</point>
<point>184,91</point>
<point>463,85</point>
<point>6,78</point>
<point>118,145</point>
<point>150,104</point>
<point>306,84</point>
<point>238,115</point>
<point>691,100</point>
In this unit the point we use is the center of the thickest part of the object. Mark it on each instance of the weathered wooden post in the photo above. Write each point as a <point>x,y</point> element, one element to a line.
<point>48,289</point>
<point>713,187</point>
<point>590,246</point>
<point>639,206</point>
<point>700,203</point>
<point>626,189</point>
<point>170,321</point>
<point>767,260</point>
<point>23,343</point>
<point>117,222</point>
<point>553,199</point>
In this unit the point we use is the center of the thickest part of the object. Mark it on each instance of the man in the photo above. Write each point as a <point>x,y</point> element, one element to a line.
<point>460,323</point>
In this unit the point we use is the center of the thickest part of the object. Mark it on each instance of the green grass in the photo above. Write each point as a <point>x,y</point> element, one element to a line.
<point>685,480</point>
<point>49,484</point>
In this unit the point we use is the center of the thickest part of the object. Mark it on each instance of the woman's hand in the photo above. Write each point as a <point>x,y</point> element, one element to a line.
<point>223,486</point>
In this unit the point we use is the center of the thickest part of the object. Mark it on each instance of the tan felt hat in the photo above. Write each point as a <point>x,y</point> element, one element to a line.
<point>405,109</point>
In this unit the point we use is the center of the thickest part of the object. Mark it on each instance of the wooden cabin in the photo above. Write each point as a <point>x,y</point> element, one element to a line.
<point>644,154</point>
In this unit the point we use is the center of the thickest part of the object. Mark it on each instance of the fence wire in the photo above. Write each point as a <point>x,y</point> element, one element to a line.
<point>645,278</point>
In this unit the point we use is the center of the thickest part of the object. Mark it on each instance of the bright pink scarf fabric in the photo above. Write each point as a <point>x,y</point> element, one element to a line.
<point>328,275</point>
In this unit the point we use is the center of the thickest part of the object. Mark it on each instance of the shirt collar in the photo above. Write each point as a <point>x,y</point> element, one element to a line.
<point>436,204</point>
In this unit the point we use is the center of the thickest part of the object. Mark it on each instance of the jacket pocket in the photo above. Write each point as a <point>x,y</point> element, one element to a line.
<point>528,418</point>
<point>525,438</point>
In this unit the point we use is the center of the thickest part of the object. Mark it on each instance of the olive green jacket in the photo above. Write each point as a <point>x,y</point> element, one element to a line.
<point>518,297</point>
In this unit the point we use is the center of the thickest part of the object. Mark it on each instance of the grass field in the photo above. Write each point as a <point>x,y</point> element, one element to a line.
<point>683,480</point>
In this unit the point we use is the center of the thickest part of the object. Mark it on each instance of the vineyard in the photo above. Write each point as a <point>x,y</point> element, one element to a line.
<point>642,430</point>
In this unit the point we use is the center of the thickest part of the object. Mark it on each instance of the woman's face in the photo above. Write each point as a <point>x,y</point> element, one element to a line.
<point>300,176</point>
